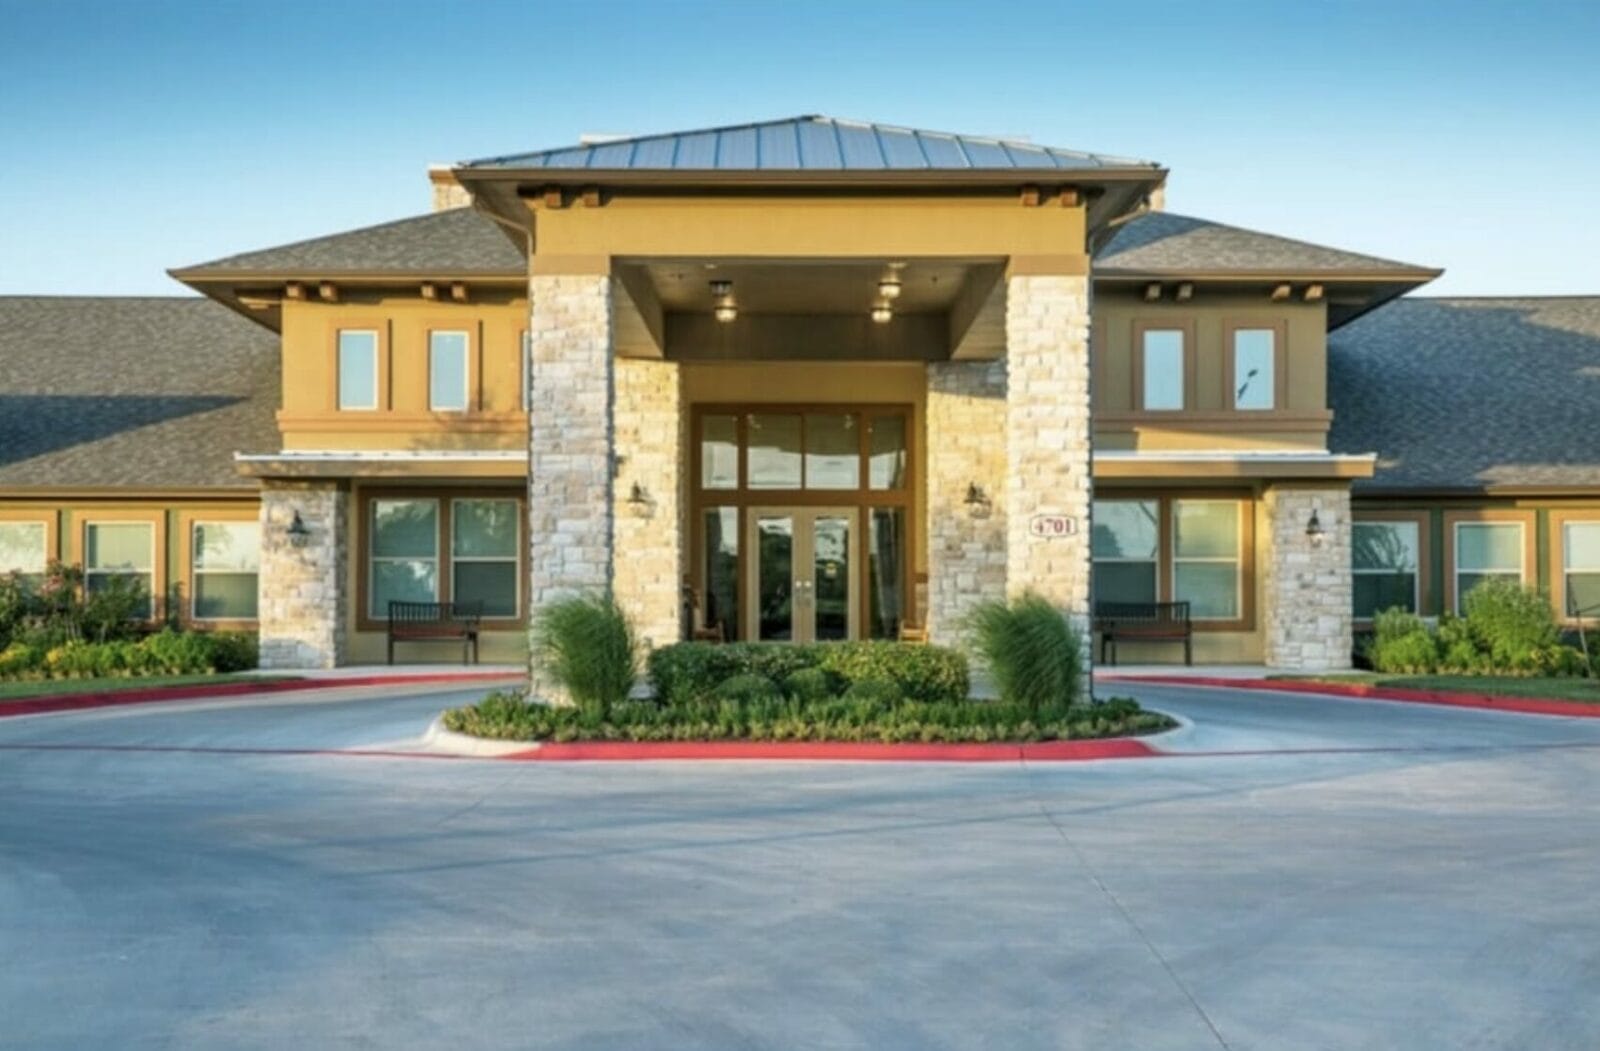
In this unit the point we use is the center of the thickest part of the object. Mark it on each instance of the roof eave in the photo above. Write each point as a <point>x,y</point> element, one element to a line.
<point>844,177</point>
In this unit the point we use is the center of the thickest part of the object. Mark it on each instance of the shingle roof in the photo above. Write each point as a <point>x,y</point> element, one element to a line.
<point>457,241</point>
<point>1161,242</point>
<point>1469,393</point>
<point>809,143</point>
<point>143,393</point>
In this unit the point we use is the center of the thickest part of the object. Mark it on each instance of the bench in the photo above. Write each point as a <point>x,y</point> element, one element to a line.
<point>433,621</point>
<point>1143,622</point>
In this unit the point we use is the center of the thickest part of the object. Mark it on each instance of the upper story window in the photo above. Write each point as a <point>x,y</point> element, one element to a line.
<point>1161,354</point>
<point>448,380</point>
<point>24,549</point>
<point>358,369</point>
<point>1255,368</point>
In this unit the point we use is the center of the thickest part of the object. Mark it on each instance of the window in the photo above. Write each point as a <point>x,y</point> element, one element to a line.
<point>358,370</point>
<point>121,551</point>
<point>24,549</point>
<point>1163,368</point>
<point>833,451</point>
<point>1255,364</point>
<point>1384,563</point>
<point>226,559</point>
<point>1580,566</point>
<point>1485,550</point>
<point>405,554</point>
<point>773,453</point>
<point>886,452</point>
<point>484,537</point>
<point>720,549</point>
<point>719,452</point>
<point>1205,557</point>
<point>1126,541</point>
<point>886,543</point>
<point>447,371</point>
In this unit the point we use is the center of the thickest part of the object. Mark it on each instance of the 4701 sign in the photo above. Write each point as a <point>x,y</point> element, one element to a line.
<point>1049,527</point>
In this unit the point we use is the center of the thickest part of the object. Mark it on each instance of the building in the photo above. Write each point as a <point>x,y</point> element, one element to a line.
<point>832,378</point>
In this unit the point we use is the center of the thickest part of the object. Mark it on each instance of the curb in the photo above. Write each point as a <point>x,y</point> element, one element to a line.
<point>72,702</point>
<point>1401,695</point>
<point>838,751</point>
<point>448,743</point>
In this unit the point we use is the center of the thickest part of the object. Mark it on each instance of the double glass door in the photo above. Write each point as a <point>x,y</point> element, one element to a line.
<point>802,579</point>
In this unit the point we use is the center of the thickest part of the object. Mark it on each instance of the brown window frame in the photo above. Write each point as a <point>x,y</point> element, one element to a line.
<point>1530,545</point>
<point>1560,518</point>
<point>1425,581</point>
<point>1279,327</point>
<point>382,368</point>
<point>188,518</point>
<point>1185,325</point>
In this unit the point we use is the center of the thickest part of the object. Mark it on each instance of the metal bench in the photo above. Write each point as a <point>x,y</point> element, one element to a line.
<point>435,621</point>
<point>1143,622</point>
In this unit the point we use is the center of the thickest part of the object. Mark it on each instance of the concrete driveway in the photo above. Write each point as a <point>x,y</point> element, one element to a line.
<point>1352,875</point>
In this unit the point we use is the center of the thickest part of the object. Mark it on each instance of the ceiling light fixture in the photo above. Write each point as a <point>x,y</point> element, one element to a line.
<point>721,288</point>
<point>889,288</point>
<point>882,313</point>
<point>725,312</point>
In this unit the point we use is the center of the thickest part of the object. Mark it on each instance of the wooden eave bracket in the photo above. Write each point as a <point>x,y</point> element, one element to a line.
<point>328,292</point>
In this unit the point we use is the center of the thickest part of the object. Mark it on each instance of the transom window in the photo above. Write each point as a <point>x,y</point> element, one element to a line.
<point>1162,354</point>
<point>358,369</point>
<point>1580,564</point>
<point>226,564</point>
<point>1486,551</point>
<point>24,550</point>
<point>1255,363</point>
<point>448,380</point>
<point>1384,567</point>
<point>121,551</point>
<point>823,449</point>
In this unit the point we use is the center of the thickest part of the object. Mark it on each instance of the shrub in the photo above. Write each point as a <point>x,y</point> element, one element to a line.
<point>588,647</point>
<point>878,693</point>
<point>1511,623</point>
<point>1034,654</point>
<point>688,671</point>
<point>747,688</point>
<point>1401,644</point>
<point>810,684</point>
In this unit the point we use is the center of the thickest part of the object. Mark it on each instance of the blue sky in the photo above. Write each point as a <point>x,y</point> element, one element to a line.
<point>140,136</point>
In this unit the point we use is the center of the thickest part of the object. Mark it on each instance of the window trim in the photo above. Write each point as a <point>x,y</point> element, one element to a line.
<point>445,495</point>
<point>526,398</point>
<point>1279,328</point>
<point>1560,518</point>
<point>515,558</point>
<point>1453,520</point>
<point>1186,327</point>
<point>1424,574</point>
<point>188,518</point>
<point>156,520</point>
<point>380,369</point>
<point>48,518</point>
<point>467,371</point>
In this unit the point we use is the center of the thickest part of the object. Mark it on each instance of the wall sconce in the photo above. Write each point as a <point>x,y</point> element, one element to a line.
<point>299,533</point>
<point>639,501</point>
<point>977,501</point>
<point>1314,531</point>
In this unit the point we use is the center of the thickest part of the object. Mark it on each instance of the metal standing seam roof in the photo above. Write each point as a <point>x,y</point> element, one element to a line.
<point>810,143</point>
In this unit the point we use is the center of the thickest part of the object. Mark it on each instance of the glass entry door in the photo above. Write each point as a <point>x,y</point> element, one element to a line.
<point>802,581</point>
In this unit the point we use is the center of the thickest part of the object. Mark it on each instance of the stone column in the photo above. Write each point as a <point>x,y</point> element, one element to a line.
<point>1306,587</point>
<point>646,510</point>
<point>1048,454</point>
<point>569,440</point>
<point>966,420</point>
<point>303,598</point>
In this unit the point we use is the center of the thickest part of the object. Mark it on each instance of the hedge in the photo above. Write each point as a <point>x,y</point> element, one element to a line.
<point>690,671</point>
<point>164,653</point>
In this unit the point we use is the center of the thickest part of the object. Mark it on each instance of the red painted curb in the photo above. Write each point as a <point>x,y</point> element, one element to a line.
<point>1520,705</point>
<point>71,702</point>
<point>850,751</point>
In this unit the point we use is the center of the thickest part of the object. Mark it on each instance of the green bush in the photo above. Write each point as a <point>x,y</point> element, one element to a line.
<point>1033,652</point>
<point>1402,644</point>
<point>1511,623</point>
<point>747,688</point>
<point>587,645</point>
<point>881,692</point>
<point>810,684</point>
<point>688,671</point>
<point>164,653</point>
